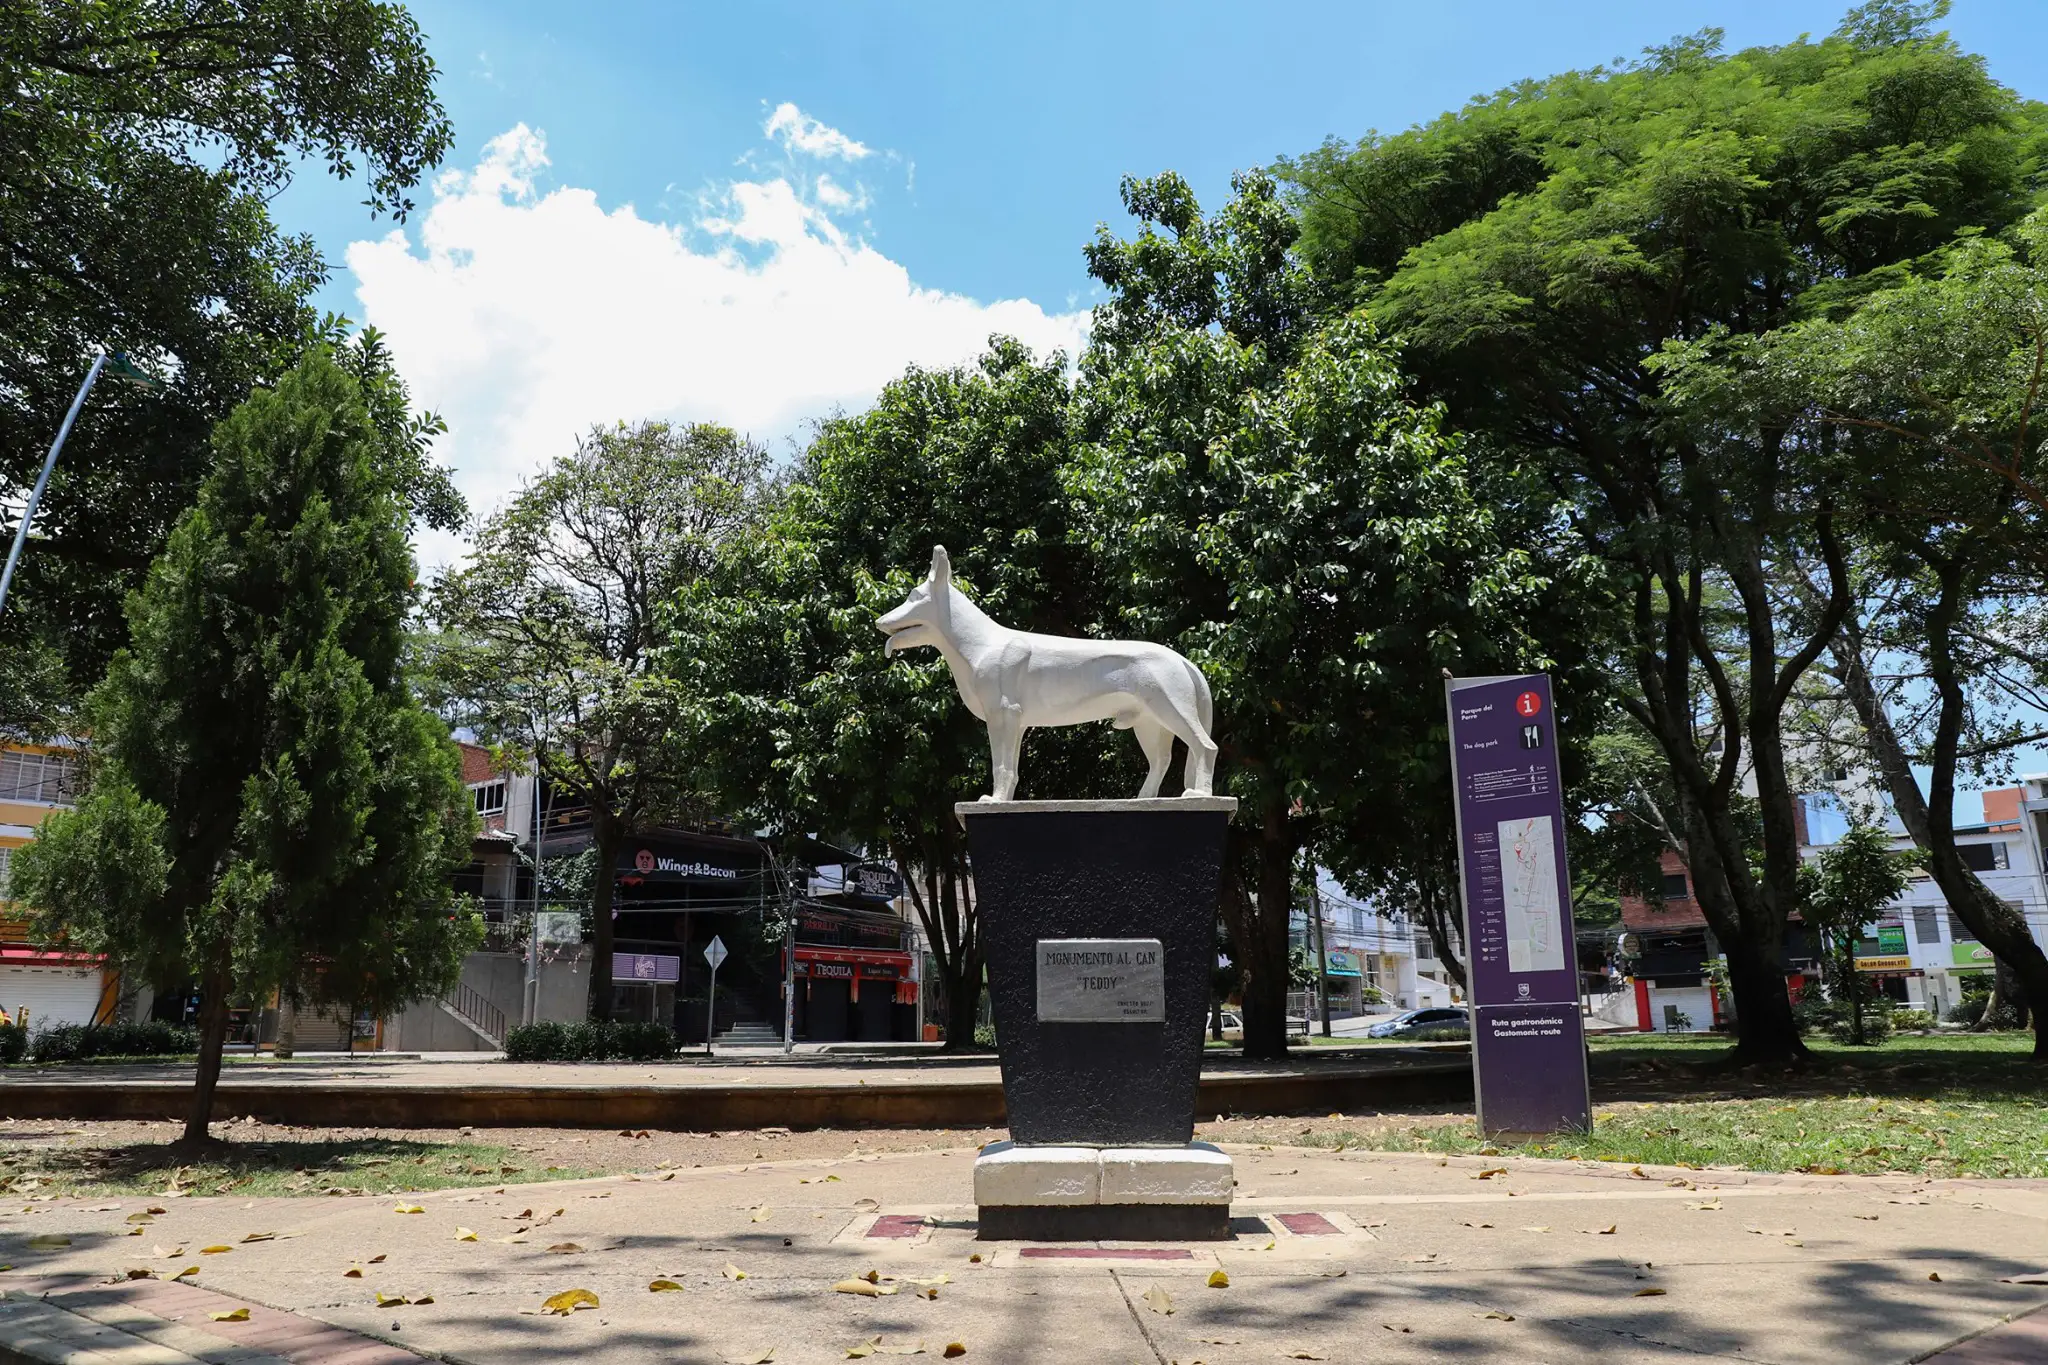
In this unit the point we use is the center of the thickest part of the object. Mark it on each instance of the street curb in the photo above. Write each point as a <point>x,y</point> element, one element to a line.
<point>706,1108</point>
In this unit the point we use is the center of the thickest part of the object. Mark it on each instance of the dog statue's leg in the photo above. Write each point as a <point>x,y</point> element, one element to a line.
<point>1005,742</point>
<point>1157,742</point>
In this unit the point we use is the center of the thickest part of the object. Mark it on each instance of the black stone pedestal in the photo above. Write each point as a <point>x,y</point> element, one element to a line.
<point>1141,870</point>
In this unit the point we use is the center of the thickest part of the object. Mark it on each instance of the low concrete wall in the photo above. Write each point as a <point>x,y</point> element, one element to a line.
<point>704,1108</point>
<point>501,979</point>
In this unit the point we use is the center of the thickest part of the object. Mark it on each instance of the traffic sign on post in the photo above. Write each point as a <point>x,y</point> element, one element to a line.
<point>714,953</point>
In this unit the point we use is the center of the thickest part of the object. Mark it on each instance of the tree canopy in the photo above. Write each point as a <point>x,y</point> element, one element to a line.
<point>270,810</point>
<point>141,145</point>
<point>1536,252</point>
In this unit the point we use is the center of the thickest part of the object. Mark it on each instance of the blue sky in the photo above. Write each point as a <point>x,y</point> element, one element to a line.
<point>627,228</point>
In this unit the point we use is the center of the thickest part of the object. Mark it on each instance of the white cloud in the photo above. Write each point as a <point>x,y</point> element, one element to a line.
<point>525,315</point>
<point>800,132</point>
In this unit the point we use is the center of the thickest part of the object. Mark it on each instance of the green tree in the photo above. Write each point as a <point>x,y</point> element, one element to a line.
<point>802,720</point>
<point>550,631</point>
<point>140,145</point>
<point>1843,890</point>
<point>1267,499</point>
<point>1925,399</point>
<point>1537,250</point>
<point>270,810</point>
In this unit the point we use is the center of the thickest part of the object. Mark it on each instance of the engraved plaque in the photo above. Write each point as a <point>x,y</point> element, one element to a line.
<point>1101,981</point>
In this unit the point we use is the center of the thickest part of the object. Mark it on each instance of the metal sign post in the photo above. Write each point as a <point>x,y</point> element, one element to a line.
<point>714,953</point>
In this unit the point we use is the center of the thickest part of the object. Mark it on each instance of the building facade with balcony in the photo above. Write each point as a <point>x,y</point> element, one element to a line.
<point>49,983</point>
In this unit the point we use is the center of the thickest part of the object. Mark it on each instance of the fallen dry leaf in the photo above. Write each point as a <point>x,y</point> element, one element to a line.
<point>378,1259</point>
<point>1496,1315</point>
<point>732,1272</point>
<point>757,1358</point>
<point>1932,1275</point>
<point>568,1301</point>
<point>1218,1280</point>
<point>143,1217</point>
<point>565,1248</point>
<point>215,1251</point>
<point>1158,1300</point>
<point>1470,1223</point>
<point>1422,1258</point>
<point>1703,1205</point>
<point>865,1205</point>
<point>354,1272</point>
<point>464,1235</point>
<point>1648,1291</point>
<point>866,1288</point>
<point>760,1215</point>
<point>1537,1227</point>
<point>188,1270</point>
<point>232,1315</point>
<point>133,1232</point>
<point>954,1350</point>
<point>259,1237</point>
<point>662,1286</point>
<point>1491,1172</point>
<point>1305,1355</point>
<point>409,1208</point>
<point>1607,1231</point>
<point>390,1300</point>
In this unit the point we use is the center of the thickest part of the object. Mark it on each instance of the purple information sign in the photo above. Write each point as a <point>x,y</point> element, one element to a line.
<point>1528,1046</point>
<point>655,967</point>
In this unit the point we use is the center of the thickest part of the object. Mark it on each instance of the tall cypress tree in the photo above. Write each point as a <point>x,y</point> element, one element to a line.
<point>270,809</point>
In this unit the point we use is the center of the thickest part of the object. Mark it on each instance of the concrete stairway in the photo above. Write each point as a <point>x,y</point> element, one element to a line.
<point>750,1033</point>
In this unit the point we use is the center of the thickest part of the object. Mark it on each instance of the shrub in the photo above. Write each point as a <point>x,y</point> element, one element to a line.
<point>13,1043</point>
<point>1968,1010</point>
<point>985,1036</point>
<point>1441,1033</point>
<point>590,1041</point>
<point>1904,1021</point>
<point>80,1042</point>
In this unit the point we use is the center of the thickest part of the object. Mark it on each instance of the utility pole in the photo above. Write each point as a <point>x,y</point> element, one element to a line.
<point>531,994</point>
<point>1315,908</point>
<point>122,371</point>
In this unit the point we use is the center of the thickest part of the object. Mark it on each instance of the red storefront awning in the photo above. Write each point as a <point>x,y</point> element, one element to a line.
<point>22,955</point>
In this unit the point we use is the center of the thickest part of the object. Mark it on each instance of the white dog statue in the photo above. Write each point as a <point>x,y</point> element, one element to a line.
<point>1014,680</point>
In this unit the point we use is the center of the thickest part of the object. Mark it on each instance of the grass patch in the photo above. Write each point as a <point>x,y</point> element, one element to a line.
<point>1952,1135</point>
<point>263,1169</point>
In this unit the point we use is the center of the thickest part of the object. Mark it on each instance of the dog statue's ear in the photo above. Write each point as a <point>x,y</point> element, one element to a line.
<point>942,567</point>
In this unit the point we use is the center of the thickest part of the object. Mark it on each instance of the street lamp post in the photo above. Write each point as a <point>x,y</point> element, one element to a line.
<point>122,371</point>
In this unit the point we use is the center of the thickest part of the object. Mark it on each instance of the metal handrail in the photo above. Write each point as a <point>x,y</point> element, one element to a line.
<point>472,1005</point>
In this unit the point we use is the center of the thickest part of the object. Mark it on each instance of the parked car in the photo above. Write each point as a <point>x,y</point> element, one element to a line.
<point>1233,1026</point>
<point>1415,1021</point>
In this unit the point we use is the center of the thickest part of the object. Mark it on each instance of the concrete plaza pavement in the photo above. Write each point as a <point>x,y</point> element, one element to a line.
<point>1351,1256</point>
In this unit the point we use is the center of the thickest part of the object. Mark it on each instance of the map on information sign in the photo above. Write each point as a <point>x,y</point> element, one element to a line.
<point>1528,885</point>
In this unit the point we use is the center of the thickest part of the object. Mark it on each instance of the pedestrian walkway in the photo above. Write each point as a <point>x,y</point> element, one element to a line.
<point>1333,1256</point>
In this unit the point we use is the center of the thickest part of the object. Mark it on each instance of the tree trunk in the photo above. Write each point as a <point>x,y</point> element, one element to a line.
<point>963,1009</point>
<point>606,836</point>
<point>213,1036</point>
<point>1766,1032</point>
<point>1998,926</point>
<point>1852,991</point>
<point>1265,949</point>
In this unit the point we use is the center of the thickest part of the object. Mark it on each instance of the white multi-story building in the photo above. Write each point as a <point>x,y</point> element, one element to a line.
<point>1920,952</point>
<point>1373,951</point>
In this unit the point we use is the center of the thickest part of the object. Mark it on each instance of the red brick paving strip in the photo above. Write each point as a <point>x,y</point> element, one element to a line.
<point>897,1225</point>
<point>1309,1225</point>
<point>303,1341</point>
<point>2024,1342</point>
<point>1106,1254</point>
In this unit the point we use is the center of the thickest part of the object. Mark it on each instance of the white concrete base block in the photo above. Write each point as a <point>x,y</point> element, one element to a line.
<point>1006,1174</point>
<point>1195,1174</point>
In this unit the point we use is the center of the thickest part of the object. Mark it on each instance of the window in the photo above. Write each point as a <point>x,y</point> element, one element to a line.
<point>1925,928</point>
<point>1984,857</point>
<point>490,798</point>
<point>1675,888</point>
<point>6,873</point>
<point>1958,931</point>
<point>50,779</point>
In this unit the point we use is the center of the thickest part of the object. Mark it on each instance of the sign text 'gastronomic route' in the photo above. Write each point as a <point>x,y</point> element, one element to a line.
<point>1101,980</point>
